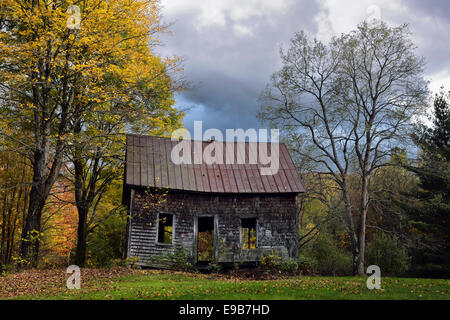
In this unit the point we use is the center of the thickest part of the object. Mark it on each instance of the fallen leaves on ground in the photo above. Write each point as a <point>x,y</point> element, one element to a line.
<point>36,281</point>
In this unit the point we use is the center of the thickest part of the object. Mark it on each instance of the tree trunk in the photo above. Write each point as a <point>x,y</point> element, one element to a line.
<point>362,225</point>
<point>80,254</point>
<point>29,248</point>
<point>11,245</point>
<point>84,197</point>
<point>46,165</point>
<point>81,202</point>
<point>45,173</point>
<point>13,224</point>
<point>5,202</point>
<point>351,228</point>
<point>3,234</point>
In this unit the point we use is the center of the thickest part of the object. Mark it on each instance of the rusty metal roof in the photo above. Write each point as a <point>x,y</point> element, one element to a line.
<point>149,164</point>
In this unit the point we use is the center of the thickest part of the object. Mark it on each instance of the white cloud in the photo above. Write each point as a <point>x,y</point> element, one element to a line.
<point>215,13</point>
<point>242,30</point>
<point>439,79</point>
<point>336,17</point>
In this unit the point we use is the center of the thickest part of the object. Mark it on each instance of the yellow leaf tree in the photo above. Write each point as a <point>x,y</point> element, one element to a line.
<point>62,63</point>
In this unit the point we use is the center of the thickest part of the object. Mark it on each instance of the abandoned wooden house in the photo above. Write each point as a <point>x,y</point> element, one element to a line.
<point>225,213</point>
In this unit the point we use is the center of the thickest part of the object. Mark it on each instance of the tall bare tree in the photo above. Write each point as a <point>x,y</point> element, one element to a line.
<point>346,105</point>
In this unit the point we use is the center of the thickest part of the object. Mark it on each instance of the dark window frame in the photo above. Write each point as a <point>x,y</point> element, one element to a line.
<point>160,228</point>
<point>250,223</point>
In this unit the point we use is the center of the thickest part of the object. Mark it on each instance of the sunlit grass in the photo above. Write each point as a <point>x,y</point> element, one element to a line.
<point>172,285</point>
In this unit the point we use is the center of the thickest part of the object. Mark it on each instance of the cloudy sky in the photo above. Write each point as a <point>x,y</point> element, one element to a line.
<point>231,47</point>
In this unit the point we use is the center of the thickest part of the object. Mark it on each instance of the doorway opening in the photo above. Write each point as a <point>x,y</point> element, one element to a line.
<point>205,239</point>
<point>248,227</point>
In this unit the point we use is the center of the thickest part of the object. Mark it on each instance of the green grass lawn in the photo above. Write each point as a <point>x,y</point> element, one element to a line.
<point>178,285</point>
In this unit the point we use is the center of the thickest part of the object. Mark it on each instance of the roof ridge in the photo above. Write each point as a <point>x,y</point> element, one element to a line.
<point>205,141</point>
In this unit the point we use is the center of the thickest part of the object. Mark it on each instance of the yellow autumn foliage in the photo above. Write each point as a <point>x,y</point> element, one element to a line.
<point>88,60</point>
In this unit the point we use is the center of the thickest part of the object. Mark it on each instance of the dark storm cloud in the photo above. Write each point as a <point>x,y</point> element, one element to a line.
<point>229,69</point>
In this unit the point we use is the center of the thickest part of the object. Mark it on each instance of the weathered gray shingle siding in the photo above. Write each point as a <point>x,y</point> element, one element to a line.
<point>277,227</point>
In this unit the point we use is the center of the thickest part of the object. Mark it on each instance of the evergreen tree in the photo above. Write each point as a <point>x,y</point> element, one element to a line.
<point>429,213</point>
